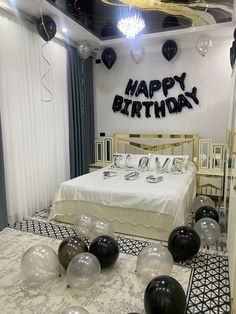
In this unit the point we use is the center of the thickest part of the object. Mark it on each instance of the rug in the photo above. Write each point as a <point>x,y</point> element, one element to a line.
<point>208,291</point>
<point>119,290</point>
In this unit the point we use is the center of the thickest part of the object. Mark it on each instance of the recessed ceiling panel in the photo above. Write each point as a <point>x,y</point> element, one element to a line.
<point>100,17</point>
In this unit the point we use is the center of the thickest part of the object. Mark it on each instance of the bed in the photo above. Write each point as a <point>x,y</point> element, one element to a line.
<point>135,207</point>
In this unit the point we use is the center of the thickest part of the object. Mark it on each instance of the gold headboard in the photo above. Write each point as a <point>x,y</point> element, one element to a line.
<point>171,144</point>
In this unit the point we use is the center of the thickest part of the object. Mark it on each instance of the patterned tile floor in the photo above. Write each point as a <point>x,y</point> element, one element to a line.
<point>209,291</point>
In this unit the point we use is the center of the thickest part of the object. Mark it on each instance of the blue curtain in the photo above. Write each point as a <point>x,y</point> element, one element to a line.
<point>3,203</point>
<point>81,112</point>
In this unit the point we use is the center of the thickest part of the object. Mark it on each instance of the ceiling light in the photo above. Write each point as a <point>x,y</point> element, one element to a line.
<point>131,26</point>
<point>64,30</point>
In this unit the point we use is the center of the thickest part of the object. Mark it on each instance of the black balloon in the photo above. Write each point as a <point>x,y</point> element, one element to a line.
<point>106,249</point>
<point>164,295</point>
<point>233,53</point>
<point>206,212</point>
<point>169,49</point>
<point>183,243</point>
<point>69,248</point>
<point>46,27</point>
<point>109,57</point>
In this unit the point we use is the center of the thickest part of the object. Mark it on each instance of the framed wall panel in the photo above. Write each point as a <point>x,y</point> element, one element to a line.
<point>108,149</point>
<point>99,151</point>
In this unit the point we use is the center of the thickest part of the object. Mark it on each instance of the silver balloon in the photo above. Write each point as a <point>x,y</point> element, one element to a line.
<point>83,271</point>
<point>84,50</point>
<point>154,260</point>
<point>83,224</point>
<point>208,230</point>
<point>137,53</point>
<point>75,310</point>
<point>203,44</point>
<point>202,200</point>
<point>40,263</point>
<point>100,227</point>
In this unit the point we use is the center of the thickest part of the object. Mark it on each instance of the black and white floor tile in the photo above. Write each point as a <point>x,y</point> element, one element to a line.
<point>209,291</point>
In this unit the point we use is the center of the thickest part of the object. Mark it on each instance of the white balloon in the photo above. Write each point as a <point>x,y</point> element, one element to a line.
<point>84,50</point>
<point>40,263</point>
<point>83,271</point>
<point>203,44</point>
<point>83,224</point>
<point>154,260</point>
<point>202,200</point>
<point>208,230</point>
<point>75,310</point>
<point>100,227</point>
<point>137,53</point>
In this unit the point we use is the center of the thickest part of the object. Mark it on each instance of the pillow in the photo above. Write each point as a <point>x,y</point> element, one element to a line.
<point>168,163</point>
<point>130,161</point>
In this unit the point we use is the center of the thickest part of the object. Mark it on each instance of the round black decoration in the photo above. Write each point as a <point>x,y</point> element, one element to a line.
<point>164,295</point>
<point>169,49</point>
<point>69,248</point>
<point>106,249</point>
<point>206,212</point>
<point>46,27</point>
<point>109,57</point>
<point>183,243</point>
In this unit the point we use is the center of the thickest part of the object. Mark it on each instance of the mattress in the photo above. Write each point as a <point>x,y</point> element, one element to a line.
<point>133,207</point>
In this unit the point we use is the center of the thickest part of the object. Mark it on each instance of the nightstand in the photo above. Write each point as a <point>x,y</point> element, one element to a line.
<point>98,165</point>
<point>211,183</point>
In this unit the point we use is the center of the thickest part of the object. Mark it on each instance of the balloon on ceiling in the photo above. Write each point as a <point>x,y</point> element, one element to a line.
<point>203,44</point>
<point>84,50</point>
<point>169,49</point>
<point>109,57</point>
<point>233,50</point>
<point>137,53</point>
<point>46,27</point>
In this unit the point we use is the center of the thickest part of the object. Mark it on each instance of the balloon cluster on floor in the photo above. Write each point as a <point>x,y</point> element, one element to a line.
<point>83,263</point>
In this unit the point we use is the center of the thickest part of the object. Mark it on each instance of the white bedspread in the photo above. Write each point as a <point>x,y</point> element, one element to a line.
<point>168,196</point>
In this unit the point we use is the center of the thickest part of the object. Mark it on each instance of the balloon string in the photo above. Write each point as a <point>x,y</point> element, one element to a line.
<point>41,14</point>
<point>44,76</point>
<point>44,58</point>
<point>83,95</point>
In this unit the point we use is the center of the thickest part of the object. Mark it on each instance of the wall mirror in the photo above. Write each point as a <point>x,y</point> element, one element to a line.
<point>217,157</point>
<point>204,154</point>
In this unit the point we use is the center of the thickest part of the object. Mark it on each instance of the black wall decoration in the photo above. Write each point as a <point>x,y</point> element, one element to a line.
<point>169,49</point>
<point>136,88</point>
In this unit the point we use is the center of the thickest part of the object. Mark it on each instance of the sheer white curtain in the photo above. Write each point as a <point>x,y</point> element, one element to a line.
<point>35,133</point>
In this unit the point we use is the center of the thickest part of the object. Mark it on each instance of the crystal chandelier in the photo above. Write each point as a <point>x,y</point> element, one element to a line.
<point>131,26</point>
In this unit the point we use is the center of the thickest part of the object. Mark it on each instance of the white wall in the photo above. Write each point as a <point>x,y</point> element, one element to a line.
<point>210,74</point>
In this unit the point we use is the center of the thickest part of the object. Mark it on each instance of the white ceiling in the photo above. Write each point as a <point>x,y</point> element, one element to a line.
<point>76,33</point>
